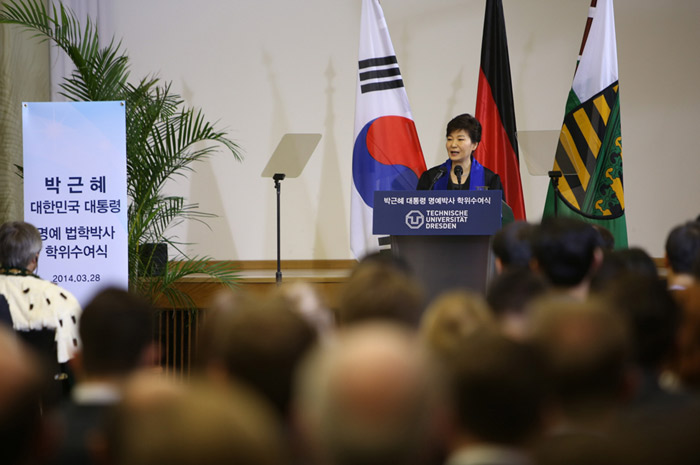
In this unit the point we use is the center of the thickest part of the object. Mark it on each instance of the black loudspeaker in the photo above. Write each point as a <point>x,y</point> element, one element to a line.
<point>154,258</point>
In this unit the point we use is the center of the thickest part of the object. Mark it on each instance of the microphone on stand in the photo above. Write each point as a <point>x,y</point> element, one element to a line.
<point>458,172</point>
<point>440,173</point>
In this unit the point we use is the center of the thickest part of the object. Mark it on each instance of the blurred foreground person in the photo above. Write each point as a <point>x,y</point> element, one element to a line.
<point>24,438</point>
<point>258,341</point>
<point>653,317</point>
<point>510,294</point>
<point>161,423</point>
<point>685,363</point>
<point>368,399</point>
<point>587,348</point>
<point>498,389</point>
<point>451,317</point>
<point>682,250</point>
<point>512,246</point>
<point>117,333</point>
<point>381,289</point>
<point>568,253</point>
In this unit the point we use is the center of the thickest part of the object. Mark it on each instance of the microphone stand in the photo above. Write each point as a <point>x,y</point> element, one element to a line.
<point>277,178</point>
<point>554,177</point>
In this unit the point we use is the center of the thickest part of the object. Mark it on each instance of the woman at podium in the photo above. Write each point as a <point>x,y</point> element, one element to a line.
<point>461,171</point>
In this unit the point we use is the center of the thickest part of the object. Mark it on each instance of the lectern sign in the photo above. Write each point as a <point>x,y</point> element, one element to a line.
<point>401,213</point>
<point>75,192</point>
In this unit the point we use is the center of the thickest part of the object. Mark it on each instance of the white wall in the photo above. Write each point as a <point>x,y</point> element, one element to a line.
<point>265,68</point>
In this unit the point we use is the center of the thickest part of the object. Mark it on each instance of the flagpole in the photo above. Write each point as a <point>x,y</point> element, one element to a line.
<point>554,177</point>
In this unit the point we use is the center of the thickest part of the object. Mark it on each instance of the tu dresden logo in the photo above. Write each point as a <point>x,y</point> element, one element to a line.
<point>415,219</point>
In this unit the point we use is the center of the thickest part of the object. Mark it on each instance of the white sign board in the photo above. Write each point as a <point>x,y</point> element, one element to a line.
<point>75,192</point>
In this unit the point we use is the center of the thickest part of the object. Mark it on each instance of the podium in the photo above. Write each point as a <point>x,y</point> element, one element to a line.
<point>444,236</point>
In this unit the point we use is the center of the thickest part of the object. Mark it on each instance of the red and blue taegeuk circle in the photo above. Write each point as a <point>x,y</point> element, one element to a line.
<point>387,156</point>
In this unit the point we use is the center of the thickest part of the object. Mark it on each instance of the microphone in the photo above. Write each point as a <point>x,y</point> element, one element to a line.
<point>440,173</point>
<point>458,172</point>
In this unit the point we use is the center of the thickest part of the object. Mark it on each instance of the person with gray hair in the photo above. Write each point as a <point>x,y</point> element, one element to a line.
<point>35,305</point>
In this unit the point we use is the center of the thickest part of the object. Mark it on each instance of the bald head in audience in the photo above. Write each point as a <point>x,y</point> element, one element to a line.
<point>369,399</point>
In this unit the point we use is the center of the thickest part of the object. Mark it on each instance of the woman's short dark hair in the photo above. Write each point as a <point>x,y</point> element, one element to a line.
<point>466,122</point>
<point>19,244</point>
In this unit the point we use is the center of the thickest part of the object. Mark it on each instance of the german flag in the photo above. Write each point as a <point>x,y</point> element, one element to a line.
<point>498,149</point>
<point>589,152</point>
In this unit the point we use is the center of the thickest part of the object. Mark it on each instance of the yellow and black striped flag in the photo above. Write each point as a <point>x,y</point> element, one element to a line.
<point>589,152</point>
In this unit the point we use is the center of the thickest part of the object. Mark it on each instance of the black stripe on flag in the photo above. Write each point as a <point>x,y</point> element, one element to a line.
<point>383,61</point>
<point>380,73</point>
<point>374,72</point>
<point>385,85</point>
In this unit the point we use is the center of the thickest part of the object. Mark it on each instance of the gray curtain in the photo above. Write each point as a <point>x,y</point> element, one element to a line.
<point>24,77</point>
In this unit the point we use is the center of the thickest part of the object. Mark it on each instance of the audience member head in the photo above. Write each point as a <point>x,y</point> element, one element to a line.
<point>116,329</point>
<point>586,345</point>
<point>683,247</point>
<point>378,290</point>
<point>368,399</point>
<point>451,317</point>
<point>567,251</point>
<point>512,245</point>
<point>498,390</point>
<point>509,295</point>
<point>160,423</point>
<point>259,342</point>
<point>652,315</point>
<point>686,363</point>
<point>20,244</point>
<point>21,386</point>
<point>621,262</point>
<point>385,257</point>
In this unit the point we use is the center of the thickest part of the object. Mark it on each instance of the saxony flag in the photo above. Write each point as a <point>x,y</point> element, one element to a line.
<point>589,152</point>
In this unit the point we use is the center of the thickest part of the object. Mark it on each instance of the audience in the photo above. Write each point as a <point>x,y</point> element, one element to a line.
<point>368,399</point>
<point>685,364</point>
<point>682,250</point>
<point>562,362</point>
<point>498,392</point>
<point>42,313</point>
<point>117,333</point>
<point>257,341</point>
<point>567,252</point>
<point>509,295</point>
<point>652,316</point>
<point>587,348</point>
<point>24,436</point>
<point>451,317</point>
<point>379,289</point>
<point>160,423</point>
<point>622,262</point>
<point>512,246</point>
